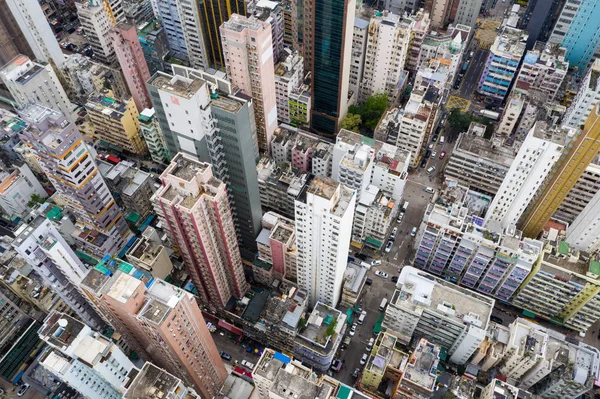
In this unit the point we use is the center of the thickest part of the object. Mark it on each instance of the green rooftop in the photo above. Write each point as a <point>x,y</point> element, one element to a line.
<point>563,248</point>
<point>595,267</point>
<point>344,392</point>
<point>133,217</point>
<point>54,214</point>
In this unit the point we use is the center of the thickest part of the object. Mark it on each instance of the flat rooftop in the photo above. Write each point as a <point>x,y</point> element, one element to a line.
<point>324,323</point>
<point>61,330</point>
<point>485,149</point>
<point>152,383</point>
<point>422,365</point>
<point>178,85</point>
<point>323,186</point>
<point>185,168</point>
<point>556,135</point>
<point>239,23</point>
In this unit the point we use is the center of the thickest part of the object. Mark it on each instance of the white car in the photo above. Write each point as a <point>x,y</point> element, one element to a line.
<point>394,232</point>
<point>353,330</point>
<point>429,190</point>
<point>388,247</point>
<point>376,263</point>
<point>23,389</point>
<point>363,359</point>
<point>381,274</point>
<point>246,363</point>
<point>433,154</point>
<point>430,170</point>
<point>400,217</point>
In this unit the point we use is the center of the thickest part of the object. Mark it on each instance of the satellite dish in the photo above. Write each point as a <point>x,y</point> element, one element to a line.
<point>63,323</point>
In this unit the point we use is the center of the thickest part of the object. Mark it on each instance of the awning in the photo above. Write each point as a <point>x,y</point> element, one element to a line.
<point>373,242</point>
<point>229,327</point>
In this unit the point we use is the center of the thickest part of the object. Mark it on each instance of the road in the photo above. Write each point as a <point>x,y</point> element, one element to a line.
<point>471,78</point>
<point>11,391</point>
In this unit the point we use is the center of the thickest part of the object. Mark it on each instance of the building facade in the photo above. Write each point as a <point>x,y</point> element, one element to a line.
<point>16,190</point>
<point>586,99</point>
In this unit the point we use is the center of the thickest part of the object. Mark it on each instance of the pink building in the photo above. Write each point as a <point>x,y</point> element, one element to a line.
<point>248,53</point>
<point>194,207</point>
<point>159,321</point>
<point>133,64</point>
<point>276,248</point>
<point>302,153</point>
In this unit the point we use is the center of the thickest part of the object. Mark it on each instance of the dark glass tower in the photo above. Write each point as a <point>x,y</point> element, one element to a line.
<point>212,14</point>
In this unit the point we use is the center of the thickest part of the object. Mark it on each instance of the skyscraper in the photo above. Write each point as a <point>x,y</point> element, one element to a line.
<point>324,215</point>
<point>213,14</point>
<point>70,167</point>
<point>575,157</point>
<point>30,18</point>
<point>248,52</point>
<point>586,99</point>
<point>97,19</point>
<point>194,207</point>
<point>331,31</point>
<point>133,63</point>
<point>12,39</point>
<point>159,321</point>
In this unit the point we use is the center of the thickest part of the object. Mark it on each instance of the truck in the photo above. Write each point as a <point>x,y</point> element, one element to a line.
<point>490,114</point>
<point>383,305</point>
<point>405,206</point>
<point>366,265</point>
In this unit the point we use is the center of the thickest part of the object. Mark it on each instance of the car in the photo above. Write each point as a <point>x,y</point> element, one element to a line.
<point>434,138</point>
<point>370,344</point>
<point>336,365</point>
<point>23,389</point>
<point>400,217</point>
<point>394,232</point>
<point>394,279</point>
<point>430,170</point>
<point>356,372</point>
<point>442,154</point>
<point>363,359</point>
<point>368,281</point>
<point>496,319</point>
<point>248,364</point>
<point>388,247</point>
<point>381,274</point>
<point>430,146</point>
<point>424,162</point>
<point>429,190</point>
<point>433,154</point>
<point>352,330</point>
<point>376,262</point>
<point>225,355</point>
<point>427,153</point>
<point>413,232</point>
<point>360,256</point>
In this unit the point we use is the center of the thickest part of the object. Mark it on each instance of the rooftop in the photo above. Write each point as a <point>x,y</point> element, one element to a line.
<point>422,365</point>
<point>185,168</point>
<point>61,330</point>
<point>555,134</point>
<point>323,324</point>
<point>239,23</point>
<point>510,43</point>
<point>485,149</point>
<point>386,352</point>
<point>152,383</point>
<point>178,85</point>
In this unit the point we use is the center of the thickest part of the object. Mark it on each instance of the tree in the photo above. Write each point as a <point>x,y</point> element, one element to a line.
<point>459,121</point>
<point>352,122</point>
<point>35,199</point>
<point>449,395</point>
<point>373,109</point>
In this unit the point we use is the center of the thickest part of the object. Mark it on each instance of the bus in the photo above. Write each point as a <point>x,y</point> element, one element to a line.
<point>383,305</point>
<point>405,206</point>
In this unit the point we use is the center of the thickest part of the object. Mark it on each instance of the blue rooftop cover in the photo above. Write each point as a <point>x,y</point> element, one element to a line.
<point>282,358</point>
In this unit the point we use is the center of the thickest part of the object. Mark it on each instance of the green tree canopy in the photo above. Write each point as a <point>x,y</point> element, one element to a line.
<point>35,199</point>
<point>459,121</point>
<point>352,122</point>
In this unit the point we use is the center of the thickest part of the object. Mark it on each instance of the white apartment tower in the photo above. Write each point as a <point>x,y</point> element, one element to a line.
<point>31,82</point>
<point>538,153</point>
<point>357,60</point>
<point>33,23</point>
<point>324,214</point>
<point>584,233</point>
<point>97,18</point>
<point>586,99</point>
<point>388,43</point>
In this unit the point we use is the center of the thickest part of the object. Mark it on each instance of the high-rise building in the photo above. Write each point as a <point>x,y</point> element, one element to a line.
<point>441,312</point>
<point>502,63</point>
<point>48,252</point>
<point>463,12</point>
<point>580,195</point>
<point>271,12</point>
<point>167,12</point>
<point>152,382</point>
<point>582,37</point>
<point>31,20</point>
<point>498,388</point>
<point>116,122</point>
<point>467,12</point>
<point>446,47</point>
<point>324,214</point>
<point>357,60</point>
<point>332,27</point>
<point>248,52</point>
<point>388,43</point>
<point>70,167</point>
<point>419,30</point>
<point>545,11</point>
<point>544,69</point>
<point>154,46</point>
<point>534,161</point>
<point>217,128</point>
<point>213,14</point>
<point>289,75</point>
<point>586,99</point>
<point>16,190</point>
<point>133,63</point>
<point>30,82</point>
<point>584,233</point>
<point>97,18</point>
<point>12,39</point>
<point>159,321</point>
<point>153,136</point>
<point>194,207</point>
<point>575,157</point>
<point>83,359</point>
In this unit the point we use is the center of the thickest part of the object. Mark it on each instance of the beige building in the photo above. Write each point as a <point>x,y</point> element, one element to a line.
<point>116,123</point>
<point>148,254</point>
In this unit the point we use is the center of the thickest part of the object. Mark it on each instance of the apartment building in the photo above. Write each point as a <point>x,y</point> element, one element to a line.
<point>153,41</point>
<point>544,68</point>
<point>272,12</point>
<point>247,47</point>
<point>374,215</point>
<point>503,389</point>
<point>133,186</point>
<point>83,359</point>
<point>152,134</point>
<point>388,42</point>
<point>536,157</point>
<point>29,82</point>
<point>428,307</point>
<point>324,212</point>
<point>289,75</point>
<point>478,162</point>
<point>586,98</point>
<point>16,189</point>
<point>152,381</point>
<point>421,28</point>
<point>195,207</point>
<point>502,64</point>
<point>279,187</point>
<point>159,321</point>
<point>276,250</point>
<point>448,47</point>
<point>147,253</point>
<point>393,364</point>
<point>357,60</point>
<point>580,195</point>
<point>213,14</point>
<point>97,19</point>
<point>69,165</point>
<point>130,56</point>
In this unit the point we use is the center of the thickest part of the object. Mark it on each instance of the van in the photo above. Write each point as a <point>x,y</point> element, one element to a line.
<point>405,206</point>
<point>365,265</point>
<point>441,139</point>
<point>361,318</point>
<point>429,190</point>
<point>413,232</point>
<point>363,359</point>
<point>370,344</point>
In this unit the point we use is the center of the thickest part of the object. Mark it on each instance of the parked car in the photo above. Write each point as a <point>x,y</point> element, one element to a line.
<point>376,262</point>
<point>336,365</point>
<point>394,232</point>
<point>352,330</point>
<point>248,364</point>
<point>442,154</point>
<point>363,359</point>
<point>225,355</point>
<point>368,281</point>
<point>388,247</point>
<point>400,217</point>
<point>429,190</point>
<point>381,274</point>
<point>356,372</point>
<point>428,153</point>
<point>361,256</point>
<point>394,279</point>
<point>496,319</point>
<point>430,146</point>
<point>23,389</point>
<point>433,154</point>
<point>413,232</point>
<point>370,344</point>
<point>430,170</point>
<point>423,162</point>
